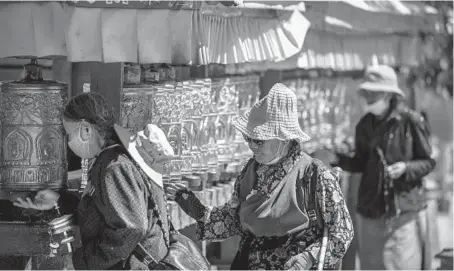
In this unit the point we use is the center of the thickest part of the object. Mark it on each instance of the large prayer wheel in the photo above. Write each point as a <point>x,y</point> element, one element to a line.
<point>33,141</point>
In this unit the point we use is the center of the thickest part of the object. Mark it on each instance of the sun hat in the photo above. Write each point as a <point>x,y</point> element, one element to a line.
<point>275,116</point>
<point>149,148</point>
<point>381,78</point>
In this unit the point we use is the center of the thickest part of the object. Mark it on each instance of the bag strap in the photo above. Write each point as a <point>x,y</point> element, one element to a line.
<point>315,214</point>
<point>378,135</point>
<point>313,210</point>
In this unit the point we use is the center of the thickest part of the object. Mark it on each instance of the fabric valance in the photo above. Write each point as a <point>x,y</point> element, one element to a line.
<point>207,35</point>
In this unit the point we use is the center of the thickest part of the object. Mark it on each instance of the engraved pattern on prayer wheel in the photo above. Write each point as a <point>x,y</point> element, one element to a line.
<point>33,139</point>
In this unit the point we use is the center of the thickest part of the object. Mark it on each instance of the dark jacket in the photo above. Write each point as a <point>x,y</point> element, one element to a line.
<point>117,214</point>
<point>403,138</point>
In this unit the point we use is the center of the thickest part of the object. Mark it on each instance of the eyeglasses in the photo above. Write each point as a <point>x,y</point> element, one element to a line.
<point>255,141</point>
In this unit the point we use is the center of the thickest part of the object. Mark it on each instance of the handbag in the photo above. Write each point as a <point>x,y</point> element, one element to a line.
<point>183,254</point>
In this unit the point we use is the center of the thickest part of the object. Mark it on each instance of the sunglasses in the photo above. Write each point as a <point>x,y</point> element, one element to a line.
<point>372,97</point>
<point>255,141</point>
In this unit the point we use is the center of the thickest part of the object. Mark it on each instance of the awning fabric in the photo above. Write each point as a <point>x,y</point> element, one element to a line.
<point>350,35</point>
<point>207,35</point>
<point>372,17</point>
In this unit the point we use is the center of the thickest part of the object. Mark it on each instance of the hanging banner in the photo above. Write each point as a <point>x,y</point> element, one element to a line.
<point>142,4</point>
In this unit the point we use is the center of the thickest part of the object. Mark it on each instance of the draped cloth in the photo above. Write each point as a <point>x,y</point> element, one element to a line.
<point>278,213</point>
<point>208,35</point>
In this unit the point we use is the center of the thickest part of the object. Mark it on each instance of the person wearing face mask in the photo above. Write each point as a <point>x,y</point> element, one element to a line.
<point>393,153</point>
<point>268,207</point>
<point>122,204</point>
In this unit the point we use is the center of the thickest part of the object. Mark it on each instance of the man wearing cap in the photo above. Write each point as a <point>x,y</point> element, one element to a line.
<point>270,207</point>
<point>393,153</point>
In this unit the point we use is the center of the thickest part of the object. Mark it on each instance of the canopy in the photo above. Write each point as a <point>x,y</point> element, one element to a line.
<point>350,35</point>
<point>209,34</point>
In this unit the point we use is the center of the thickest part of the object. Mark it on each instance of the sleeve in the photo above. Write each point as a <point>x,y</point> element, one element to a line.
<point>422,163</point>
<point>220,223</point>
<point>122,201</point>
<point>336,218</point>
<point>358,161</point>
<point>214,223</point>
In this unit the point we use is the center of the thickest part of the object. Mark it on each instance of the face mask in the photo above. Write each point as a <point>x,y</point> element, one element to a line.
<point>279,154</point>
<point>377,108</point>
<point>84,149</point>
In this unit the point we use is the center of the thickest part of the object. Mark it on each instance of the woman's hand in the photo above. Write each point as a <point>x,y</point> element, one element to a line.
<point>173,188</point>
<point>396,170</point>
<point>44,200</point>
<point>13,196</point>
<point>187,200</point>
<point>299,262</point>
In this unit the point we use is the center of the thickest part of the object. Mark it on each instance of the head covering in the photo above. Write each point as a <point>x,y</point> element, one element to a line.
<point>150,142</point>
<point>381,78</point>
<point>275,116</point>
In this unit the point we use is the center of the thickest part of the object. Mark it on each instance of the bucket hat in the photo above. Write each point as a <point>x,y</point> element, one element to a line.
<point>381,78</point>
<point>149,148</point>
<point>275,116</point>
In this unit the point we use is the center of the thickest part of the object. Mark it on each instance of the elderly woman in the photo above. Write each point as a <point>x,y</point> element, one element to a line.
<point>268,207</point>
<point>393,153</point>
<point>120,206</point>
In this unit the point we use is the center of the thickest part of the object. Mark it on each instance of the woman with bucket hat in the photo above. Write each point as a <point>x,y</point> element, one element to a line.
<point>278,197</point>
<point>393,154</point>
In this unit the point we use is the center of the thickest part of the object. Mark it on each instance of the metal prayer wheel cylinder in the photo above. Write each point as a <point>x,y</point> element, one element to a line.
<point>33,140</point>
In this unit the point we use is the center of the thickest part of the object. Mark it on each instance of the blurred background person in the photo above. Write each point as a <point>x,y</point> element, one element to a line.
<point>393,153</point>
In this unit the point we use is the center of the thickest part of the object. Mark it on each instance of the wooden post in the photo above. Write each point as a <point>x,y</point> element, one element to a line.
<point>104,78</point>
<point>107,80</point>
<point>81,73</point>
<point>62,72</point>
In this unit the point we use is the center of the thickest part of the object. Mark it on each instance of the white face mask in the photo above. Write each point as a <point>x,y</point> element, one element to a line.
<point>279,154</point>
<point>377,108</point>
<point>84,149</point>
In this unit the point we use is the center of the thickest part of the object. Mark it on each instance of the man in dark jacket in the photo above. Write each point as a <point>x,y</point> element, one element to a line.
<point>393,153</point>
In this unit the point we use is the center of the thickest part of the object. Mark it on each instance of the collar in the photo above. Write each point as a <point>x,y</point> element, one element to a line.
<point>396,114</point>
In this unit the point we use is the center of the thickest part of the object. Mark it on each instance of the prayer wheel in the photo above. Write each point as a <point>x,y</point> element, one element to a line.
<point>33,140</point>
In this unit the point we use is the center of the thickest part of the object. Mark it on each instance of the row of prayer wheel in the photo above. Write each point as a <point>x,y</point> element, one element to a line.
<point>196,115</point>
